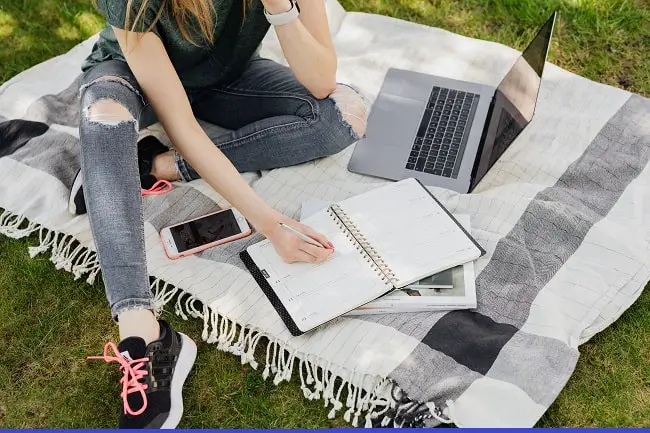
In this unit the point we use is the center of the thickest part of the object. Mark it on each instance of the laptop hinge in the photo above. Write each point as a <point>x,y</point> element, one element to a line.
<point>481,144</point>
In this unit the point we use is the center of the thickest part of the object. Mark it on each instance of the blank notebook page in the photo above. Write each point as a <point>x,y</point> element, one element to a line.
<point>411,232</point>
<point>316,293</point>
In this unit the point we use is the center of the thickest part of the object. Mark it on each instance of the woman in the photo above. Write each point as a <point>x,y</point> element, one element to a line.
<point>175,61</point>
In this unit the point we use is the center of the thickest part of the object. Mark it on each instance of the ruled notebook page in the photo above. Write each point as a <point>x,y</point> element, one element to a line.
<point>313,294</point>
<point>411,232</point>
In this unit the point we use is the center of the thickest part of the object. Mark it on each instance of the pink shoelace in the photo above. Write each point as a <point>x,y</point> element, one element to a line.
<point>133,371</point>
<point>159,188</point>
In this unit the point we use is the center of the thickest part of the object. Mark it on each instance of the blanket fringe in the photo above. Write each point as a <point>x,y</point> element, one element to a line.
<point>66,252</point>
<point>385,405</point>
<point>10,225</point>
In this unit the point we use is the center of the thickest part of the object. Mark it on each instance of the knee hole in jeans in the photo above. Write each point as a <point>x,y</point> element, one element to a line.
<point>107,112</point>
<point>352,108</point>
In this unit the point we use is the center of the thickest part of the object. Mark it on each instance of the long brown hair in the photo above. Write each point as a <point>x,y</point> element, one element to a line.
<point>200,11</point>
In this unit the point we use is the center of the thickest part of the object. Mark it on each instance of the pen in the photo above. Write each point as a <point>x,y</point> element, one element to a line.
<point>301,235</point>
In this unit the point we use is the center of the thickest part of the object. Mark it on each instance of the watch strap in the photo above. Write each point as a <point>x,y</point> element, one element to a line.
<point>284,17</point>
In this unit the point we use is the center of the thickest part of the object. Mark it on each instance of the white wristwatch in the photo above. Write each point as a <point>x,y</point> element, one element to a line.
<point>284,17</point>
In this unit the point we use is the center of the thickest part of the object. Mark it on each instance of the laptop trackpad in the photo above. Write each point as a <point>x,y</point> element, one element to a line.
<point>394,119</point>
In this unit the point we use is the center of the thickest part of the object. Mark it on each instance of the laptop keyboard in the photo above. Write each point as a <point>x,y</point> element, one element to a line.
<point>441,138</point>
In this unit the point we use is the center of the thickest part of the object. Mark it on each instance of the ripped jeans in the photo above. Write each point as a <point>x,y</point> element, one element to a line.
<point>275,122</point>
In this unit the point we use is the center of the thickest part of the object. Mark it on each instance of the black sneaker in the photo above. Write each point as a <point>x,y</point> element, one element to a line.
<point>148,148</point>
<point>152,386</point>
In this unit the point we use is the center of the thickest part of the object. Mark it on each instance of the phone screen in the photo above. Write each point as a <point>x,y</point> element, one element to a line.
<point>205,230</point>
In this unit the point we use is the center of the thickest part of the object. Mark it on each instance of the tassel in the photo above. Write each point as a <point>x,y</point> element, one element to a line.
<point>267,367</point>
<point>310,379</point>
<point>93,275</point>
<point>178,310</point>
<point>288,372</point>
<point>347,414</point>
<point>206,327</point>
<point>189,307</point>
<point>250,353</point>
<point>274,367</point>
<point>265,374</point>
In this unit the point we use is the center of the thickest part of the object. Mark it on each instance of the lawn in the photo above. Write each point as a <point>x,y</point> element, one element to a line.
<point>50,323</point>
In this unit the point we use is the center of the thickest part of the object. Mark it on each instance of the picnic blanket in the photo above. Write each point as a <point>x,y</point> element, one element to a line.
<point>561,215</point>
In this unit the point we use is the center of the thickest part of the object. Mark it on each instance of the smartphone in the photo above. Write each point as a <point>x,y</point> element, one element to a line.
<point>442,280</point>
<point>193,236</point>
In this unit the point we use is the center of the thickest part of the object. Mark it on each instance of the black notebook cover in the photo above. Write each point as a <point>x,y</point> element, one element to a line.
<point>270,294</point>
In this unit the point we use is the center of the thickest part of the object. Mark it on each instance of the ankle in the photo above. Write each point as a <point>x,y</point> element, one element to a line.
<point>164,167</point>
<point>139,323</point>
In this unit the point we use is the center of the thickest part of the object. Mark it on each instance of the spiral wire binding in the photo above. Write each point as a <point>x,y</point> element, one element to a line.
<point>362,245</point>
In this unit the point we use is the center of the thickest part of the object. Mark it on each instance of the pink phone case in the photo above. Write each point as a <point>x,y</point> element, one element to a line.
<point>202,247</point>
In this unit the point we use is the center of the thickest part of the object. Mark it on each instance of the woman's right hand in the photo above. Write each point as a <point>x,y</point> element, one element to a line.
<point>292,249</point>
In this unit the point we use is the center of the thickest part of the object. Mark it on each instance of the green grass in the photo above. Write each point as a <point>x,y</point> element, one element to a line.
<point>50,323</point>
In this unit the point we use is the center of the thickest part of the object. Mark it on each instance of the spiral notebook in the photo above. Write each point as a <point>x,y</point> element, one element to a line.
<point>384,239</point>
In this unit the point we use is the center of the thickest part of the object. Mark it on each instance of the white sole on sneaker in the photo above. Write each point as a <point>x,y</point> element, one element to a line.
<point>76,186</point>
<point>183,367</point>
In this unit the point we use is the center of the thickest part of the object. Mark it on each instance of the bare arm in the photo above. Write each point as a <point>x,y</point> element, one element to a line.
<point>153,69</point>
<point>307,45</point>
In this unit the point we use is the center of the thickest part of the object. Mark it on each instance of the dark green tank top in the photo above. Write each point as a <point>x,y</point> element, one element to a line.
<point>236,39</point>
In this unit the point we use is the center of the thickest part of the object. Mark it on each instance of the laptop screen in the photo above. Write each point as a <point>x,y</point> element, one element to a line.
<point>515,100</point>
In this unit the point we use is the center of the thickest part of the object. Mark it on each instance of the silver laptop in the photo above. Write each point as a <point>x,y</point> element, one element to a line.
<point>445,132</point>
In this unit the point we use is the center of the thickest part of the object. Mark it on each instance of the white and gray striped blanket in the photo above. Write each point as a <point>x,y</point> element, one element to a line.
<point>561,216</point>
